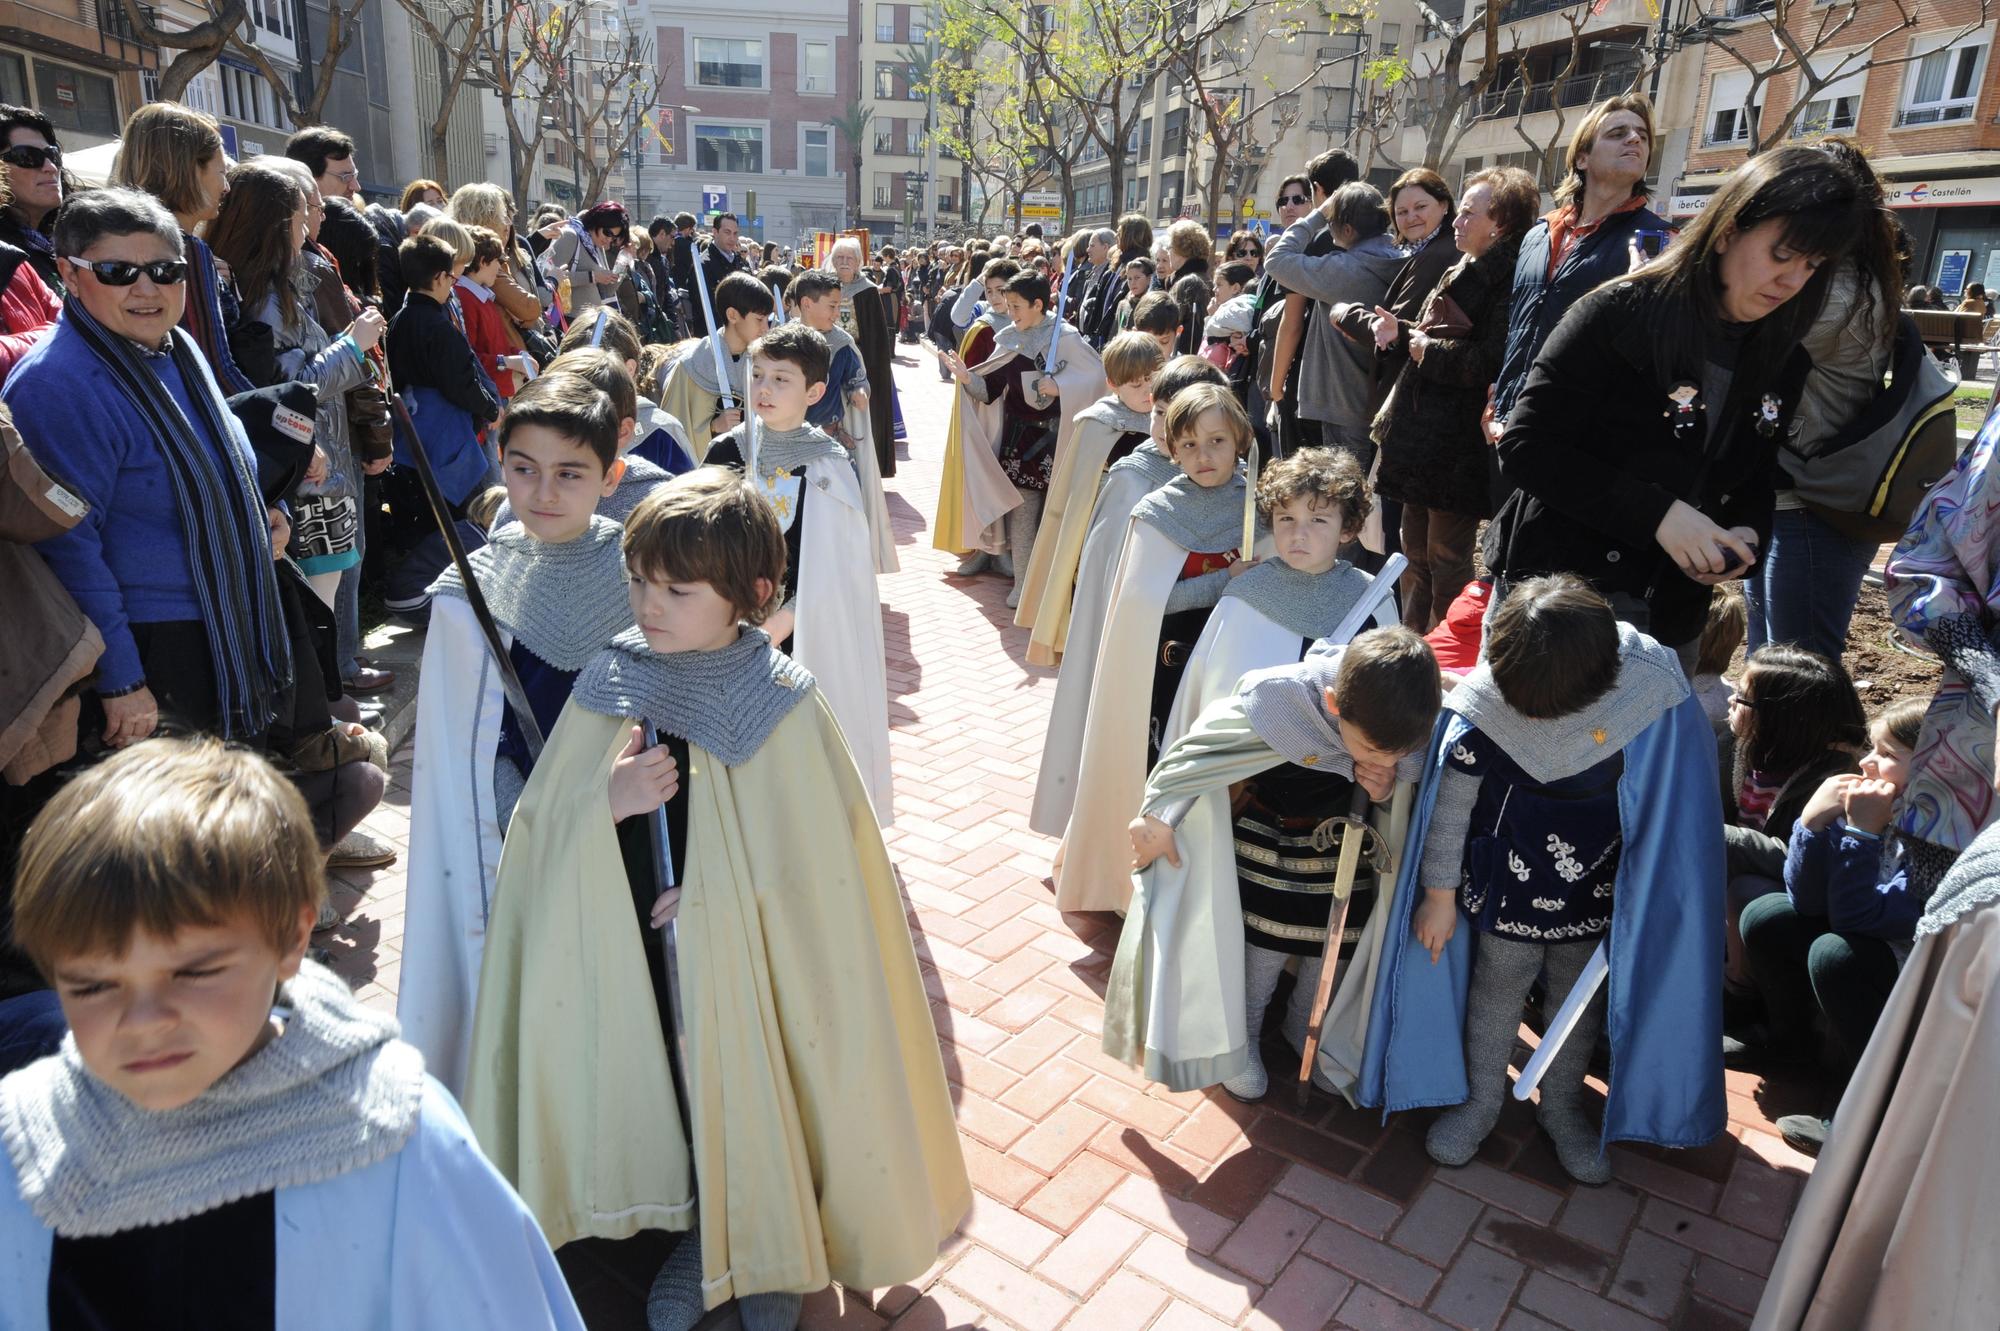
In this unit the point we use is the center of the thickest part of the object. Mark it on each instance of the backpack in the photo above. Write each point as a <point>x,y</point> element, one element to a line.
<point>1868,478</point>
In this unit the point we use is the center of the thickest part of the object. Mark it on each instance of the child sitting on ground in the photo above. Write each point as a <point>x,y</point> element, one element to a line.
<point>226,1114</point>
<point>656,438</point>
<point>830,616</point>
<point>1570,800</point>
<point>1180,551</point>
<point>1145,469</point>
<point>691,392</point>
<point>1831,943</point>
<point>1214,920</point>
<point>698,783</point>
<point>1102,435</point>
<point>551,576</point>
<point>450,399</point>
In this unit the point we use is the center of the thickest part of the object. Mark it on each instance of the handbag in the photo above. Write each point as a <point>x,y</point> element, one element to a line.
<point>370,427</point>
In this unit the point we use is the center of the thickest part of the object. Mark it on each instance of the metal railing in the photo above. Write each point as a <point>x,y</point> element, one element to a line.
<point>1579,90</point>
<point>1516,10</point>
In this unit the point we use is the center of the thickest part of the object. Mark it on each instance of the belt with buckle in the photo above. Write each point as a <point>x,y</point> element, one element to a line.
<point>1173,654</point>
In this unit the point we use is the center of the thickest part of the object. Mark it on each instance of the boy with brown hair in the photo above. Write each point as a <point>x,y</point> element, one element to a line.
<point>1210,929</point>
<point>604,371</point>
<point>658,437</point>
<point>451,400</point>
<point>226,1114</point>
<point>691,390</point>
<point>698,783</point>
<point>1159,316</point>
<point>842,411</point>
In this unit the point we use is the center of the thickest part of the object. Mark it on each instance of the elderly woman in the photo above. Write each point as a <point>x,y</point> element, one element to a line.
<point>515,290</point>
<point>173,560</point>
<point>864,314</point>
<point>1433,457</point>
<point>174,153</point>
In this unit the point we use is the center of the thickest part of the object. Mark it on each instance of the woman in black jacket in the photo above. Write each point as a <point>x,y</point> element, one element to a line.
<point>1644,445</point>
<point>1433,458</point>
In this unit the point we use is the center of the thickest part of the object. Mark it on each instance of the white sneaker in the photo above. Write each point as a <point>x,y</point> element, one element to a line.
<point>1251,1083</point>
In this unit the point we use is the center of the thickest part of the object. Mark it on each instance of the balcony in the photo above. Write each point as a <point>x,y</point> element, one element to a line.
<point>1579,90</point>
<point>1516,10</point>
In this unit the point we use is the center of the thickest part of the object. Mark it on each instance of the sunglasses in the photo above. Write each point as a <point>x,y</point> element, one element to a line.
<point>1284,199</point>
<point>118,273</point>
<point>30,157</point>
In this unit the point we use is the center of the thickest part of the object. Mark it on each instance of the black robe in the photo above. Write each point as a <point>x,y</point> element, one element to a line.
<point>877,346</point>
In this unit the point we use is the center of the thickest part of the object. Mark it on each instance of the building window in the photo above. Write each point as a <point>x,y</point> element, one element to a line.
<point>1392,38</point>
<point>816,68</point>
<point>885,136</point>
<point>885,189</point>
<point>885,83</point>
<point>75,99</point>
<point>1170,194</point>
<point>734,148</point>
<point>1944,85</point>
<point>1835,110</point>
<point>728,62</point>
<point>1173,135</point>
<point>817,159</point>
<point>13,79</point>
<point>920,22</point>
<point>1727,124</point>
<point>910,81</point>
<point>885,23</point>
<point>275,17</point>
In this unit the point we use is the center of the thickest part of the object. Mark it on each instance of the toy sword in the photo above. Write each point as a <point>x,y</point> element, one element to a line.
<point>1351,841</point>
<point>1586,987</point>
<point>714,333</point>
<point>670,939</point>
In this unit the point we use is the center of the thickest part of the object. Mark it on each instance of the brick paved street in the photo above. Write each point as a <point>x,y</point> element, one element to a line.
<point>1105,1202</point>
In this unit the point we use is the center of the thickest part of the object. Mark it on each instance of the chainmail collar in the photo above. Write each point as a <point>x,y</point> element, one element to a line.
<point>1196,517</point>
<point>1030,342</point>
<point>996,319</point>
<point>1286,706</point>
<point>701,365</point>
<point>335,1092</point>
<point>727,702</point>
<point>1649,683</point>
<point>563,602</point>
<point>1109,410</point>
<point>1971,884</point>
<point>849,290</point>
<point>1154,467</point>
<point>1308,604</point>
<point>836,338</point>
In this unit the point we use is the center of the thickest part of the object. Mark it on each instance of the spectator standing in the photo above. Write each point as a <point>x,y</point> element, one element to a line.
<point>1433,457</point>
<point>1267,314</point>
<point>28,309</point>
<point>719,258</point>
<point>1301,334</point>
<point>32,161</point>
<point>586,254</point>
<point>1134,238</point>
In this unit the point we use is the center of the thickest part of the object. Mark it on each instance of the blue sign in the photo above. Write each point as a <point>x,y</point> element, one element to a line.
<point>1951,271</point>
<point>229,142</point>
<point>715,201</point>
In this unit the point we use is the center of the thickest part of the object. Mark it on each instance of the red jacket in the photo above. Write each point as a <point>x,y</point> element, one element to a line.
<point>486,330</point>
<point>27,310</point>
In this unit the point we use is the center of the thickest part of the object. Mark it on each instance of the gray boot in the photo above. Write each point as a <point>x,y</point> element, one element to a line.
<point>1022,524</point>
<point>1261,969</point>
<point>674,1302</point>
<point>1579,1146</point>
<point>1502,971</point>
<point>973,565</point>
<point>1298,1016</point>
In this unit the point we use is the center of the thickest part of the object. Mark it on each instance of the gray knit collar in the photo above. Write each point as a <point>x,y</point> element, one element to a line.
<point>1109,410</point>
<point>1309,604</point>
<point>836,338</point>
<point>849,290</point>
<point>1971,884</point>
<point>786,450</point>
<point>701,364</point>
<point>995,318</point>
<point>639,471</point>
<point>727,702</point>
<point>1286,707</point>
<point>563,602</point>
<point>1649,683</point>
<point>336,1092</point>
<point>1154,467</point>
<point>1195,517</point>
<point>1030,342</point>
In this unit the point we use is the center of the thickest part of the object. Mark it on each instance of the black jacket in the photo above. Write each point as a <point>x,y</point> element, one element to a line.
<point>1411,287</point>
<point>1103,324</point>
<point>715,265</point>
<point>41,258</point>
<point>1598,460</point>
<point>427,350</point>
<point>1432,450</point>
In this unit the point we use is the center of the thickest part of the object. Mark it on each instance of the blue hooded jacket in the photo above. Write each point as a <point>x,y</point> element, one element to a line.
<point>1665,948</point>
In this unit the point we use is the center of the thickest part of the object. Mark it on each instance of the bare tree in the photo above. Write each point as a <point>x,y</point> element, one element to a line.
<point>309,109</point>
<point>198,46</point>
<point>1802,37</point>
<point>602,98</point>
<point>1444,115</point>
<point>520,59</point>
<point>456,33</point>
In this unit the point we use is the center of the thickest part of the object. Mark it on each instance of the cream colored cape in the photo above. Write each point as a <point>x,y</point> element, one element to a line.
<point>868,468</point>
<point>823,1138</point>
<point>694,406</point>
<point>1897,1222</point>
<point>974,494</point>
<point>1066,518</point>
<point>1062,750</point>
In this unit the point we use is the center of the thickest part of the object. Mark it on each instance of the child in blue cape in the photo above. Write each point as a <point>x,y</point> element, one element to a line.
<point>1571,802</point>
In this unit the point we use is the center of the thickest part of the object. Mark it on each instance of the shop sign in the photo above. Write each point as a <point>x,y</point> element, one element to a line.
<point>1941,193</point>
<point>1687,205</point>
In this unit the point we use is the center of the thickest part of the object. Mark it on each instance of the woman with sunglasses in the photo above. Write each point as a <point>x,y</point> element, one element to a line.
<point>173,561</point>
<point>175,154</point>
<point>1246,247</point>
<point>27,306</point>
<point>1267,316</point>
<point>31,160</point>
<point>586,252</point>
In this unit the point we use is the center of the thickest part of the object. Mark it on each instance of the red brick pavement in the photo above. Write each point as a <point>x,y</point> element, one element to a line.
<point>1107,1202</point>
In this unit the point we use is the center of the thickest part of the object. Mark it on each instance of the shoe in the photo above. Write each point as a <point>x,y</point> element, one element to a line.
<point>358,850</point>
<point>973,565</point>
<point>329,918</point>
<point>1804,1133</point>
<point>367,679</point>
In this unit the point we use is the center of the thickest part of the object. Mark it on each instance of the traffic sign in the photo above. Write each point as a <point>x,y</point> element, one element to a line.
<point>715,200</point>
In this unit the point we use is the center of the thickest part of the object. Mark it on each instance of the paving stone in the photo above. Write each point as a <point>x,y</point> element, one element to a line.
<point>1239,1182</point>
<point>1194,1278</point>
<point>1123,1303</point>
<point>1399,1168</point>
<point>1371,1310</point>
<point>1599,1216</point>
<point>1267,1238</point>
<point>1189,1223</point>
<point>1187,1317</point>
<point>1081,1262</point>
<point>1736,1246</point>
<point>1482,1180</point>
<point>1544,1248</point>
<point>1728,1285</point>
<point>1339,1200</point>
<point>1302,1298</point>
<point>1477,1289</point>
<point>1436,1223</point>
<point>1006,1230</point>
<point>1651,1275</point>
<point>1074,1192</point>
<point>1578,1309</point>
<point>1058,1137</point>
<point>1758,1197</point>
<point>1008,1290</point>
<point>1375,1263</point>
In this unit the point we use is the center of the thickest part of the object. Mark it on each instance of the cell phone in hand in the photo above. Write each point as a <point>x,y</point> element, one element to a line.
<point>1650,242</point>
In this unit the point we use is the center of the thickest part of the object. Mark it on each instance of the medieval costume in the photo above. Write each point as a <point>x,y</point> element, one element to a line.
<point>864,317</point>
<point>556,606</point>
<point>1647,747</point>
<point>820,1144</point>
<point>853,428</point>
<point>809,481</point>
<point>974,495</point>
<point>691,392</point>
<point>1101,435</point>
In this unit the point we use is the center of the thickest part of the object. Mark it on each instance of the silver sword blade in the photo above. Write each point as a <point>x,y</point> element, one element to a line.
<point>1580,994</point>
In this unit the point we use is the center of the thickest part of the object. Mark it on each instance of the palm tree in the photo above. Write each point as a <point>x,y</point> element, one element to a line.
<point>853,126</point>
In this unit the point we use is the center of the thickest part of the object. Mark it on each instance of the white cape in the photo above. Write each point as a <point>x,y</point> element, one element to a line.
<point>430,1237</point>
<point>881,536</point>
<point>838,631</point>
<point>454,839</point>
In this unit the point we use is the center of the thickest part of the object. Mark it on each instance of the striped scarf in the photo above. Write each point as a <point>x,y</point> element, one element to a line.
<point>222,520</point>
<point>205,319</point>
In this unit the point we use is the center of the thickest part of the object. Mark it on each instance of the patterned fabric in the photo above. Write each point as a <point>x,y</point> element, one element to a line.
<point>1286,865</point>
<point>208,315</point>
<point>1942,580</point>
<point>1754,798</point>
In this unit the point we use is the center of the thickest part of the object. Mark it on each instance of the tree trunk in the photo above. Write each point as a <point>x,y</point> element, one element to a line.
<point>183,69</point>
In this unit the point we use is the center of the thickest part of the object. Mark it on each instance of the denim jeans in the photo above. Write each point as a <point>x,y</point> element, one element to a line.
<point>1804,589</point>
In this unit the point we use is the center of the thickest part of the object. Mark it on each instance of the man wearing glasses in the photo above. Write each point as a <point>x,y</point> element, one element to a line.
<point>33,163</point>
<point>330,156</point>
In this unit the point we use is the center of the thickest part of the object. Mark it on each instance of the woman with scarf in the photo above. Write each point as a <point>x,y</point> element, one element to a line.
<point>864,314</point>
<point>174,153</point>
<point>586,252</point>
<point>173,560</point>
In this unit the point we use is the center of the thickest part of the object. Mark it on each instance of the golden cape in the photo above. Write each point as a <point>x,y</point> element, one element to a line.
<point>973,492</point>
<point>1050,582</point>
<point>823,1138</point>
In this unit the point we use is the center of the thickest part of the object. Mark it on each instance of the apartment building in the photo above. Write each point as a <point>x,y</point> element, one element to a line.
<point>753,94</point>
<point>76,61</point>
<point>904,186</point>
<point>1927,124</point>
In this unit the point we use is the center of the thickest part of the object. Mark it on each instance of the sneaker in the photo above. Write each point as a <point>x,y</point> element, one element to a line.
<point>358,850</point>
<point>1804,1133</point>
<point>329,918</point>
